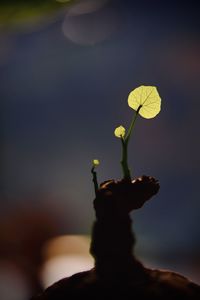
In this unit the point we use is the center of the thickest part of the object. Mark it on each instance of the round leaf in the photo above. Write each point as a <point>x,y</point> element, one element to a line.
<point>120,132</point>
<point>146,99</point>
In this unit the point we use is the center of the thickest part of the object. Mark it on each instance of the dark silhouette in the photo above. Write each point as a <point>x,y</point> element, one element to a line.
<point>117,273</point>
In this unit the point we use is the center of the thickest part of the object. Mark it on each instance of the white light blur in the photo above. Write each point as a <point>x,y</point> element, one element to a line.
<point>86,7</point>
<point>63,266</point>
<point>65,256</point>
<point>66,244</point>
<point>89,22</point>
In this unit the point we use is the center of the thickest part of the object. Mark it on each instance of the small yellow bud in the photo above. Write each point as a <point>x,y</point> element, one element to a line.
<point>120,132</point>
<point>95,162</point>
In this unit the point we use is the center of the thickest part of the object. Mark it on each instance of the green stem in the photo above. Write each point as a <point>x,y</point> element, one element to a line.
<point>127,137</point>
<point>125,141</point>
<point>94,179</point>
<point>124,161</point>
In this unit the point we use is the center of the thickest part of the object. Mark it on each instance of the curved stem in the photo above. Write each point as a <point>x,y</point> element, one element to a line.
<point>94,179</point>
<point>124,161</point>
<point>127,137</point>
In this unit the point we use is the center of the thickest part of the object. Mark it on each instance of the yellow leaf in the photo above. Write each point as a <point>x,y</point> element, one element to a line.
<point>95,162</point>
<point>146,99</point>
<point>120,132</point>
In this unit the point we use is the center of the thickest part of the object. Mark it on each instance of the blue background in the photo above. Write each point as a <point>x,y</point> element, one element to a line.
<point>64,85</point>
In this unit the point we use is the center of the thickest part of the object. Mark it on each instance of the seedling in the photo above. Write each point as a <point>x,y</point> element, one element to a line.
<point>146,102</point>
<point>95,164</point>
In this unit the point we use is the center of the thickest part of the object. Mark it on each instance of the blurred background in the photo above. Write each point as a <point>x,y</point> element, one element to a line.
<point>66,69</point>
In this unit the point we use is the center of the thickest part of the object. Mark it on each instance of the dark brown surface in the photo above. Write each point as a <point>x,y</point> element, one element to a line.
<point>155,284</point>
<point>117,273</point>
